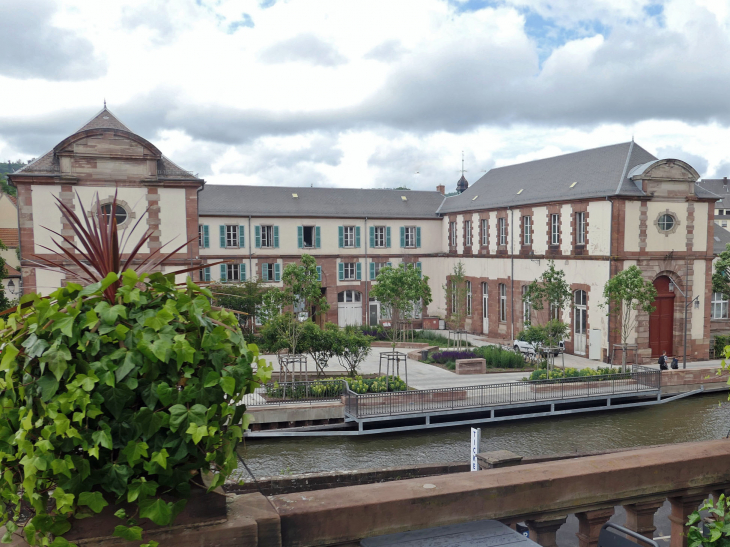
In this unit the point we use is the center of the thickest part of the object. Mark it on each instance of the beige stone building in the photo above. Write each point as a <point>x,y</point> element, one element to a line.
<point>9,236</point>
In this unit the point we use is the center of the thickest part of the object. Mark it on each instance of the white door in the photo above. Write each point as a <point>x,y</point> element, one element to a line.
<point>485,309</point>
<point>579,331</point>
<point>349,308</point>
<point>594,349</point>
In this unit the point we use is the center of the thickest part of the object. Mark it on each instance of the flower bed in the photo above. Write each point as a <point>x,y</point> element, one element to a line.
<point>331,388</point>
<point>601,373</point>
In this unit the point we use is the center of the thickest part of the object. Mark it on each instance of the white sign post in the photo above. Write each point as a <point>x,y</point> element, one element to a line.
<point>476,441</point>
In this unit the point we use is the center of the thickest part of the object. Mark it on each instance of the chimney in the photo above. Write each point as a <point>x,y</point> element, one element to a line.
<point>724,181</point>
<point>441,189</point>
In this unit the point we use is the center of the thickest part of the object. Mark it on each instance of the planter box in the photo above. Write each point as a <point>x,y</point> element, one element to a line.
<point>575,386</point>
<point>201,508</point>
<point>471,366</point>
<point>410,397</point>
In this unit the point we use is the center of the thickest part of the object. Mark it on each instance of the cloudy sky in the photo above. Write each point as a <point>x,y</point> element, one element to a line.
<point>370,93</point>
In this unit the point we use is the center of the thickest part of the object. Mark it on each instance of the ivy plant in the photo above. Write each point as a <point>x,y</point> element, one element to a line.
<point>119,401</point>
<point>712,529</point>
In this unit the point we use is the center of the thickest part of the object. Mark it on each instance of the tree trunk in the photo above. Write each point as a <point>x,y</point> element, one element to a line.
<point>623,357</point>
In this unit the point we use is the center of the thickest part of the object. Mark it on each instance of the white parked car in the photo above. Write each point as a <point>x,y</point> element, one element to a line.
<point>529,347</point>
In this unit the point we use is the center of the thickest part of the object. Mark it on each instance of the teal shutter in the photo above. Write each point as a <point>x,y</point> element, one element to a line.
<point>276,237</point>
<point>418,267</point>
<point>206,236</point>
<point>223,236</point>
<point>372,236</point>
<point>241,236</point>
<point>418,236</point>
<point>243,271</point>
<point>317,240</point>
<point>358,271</point>
<point>389,264</point>
<point>341,233</point>
<point>402,236</point>
<point>372,271</point>
<point>319,273</point>
<point>300,236</point>
<point>387,236</point>
<point>206,274</point>
<point>224,273</point>
<point>341,271</point>
<point>357,236</point>
<point>265,271</point>
<point>257,229</point>
<point>277,271</point>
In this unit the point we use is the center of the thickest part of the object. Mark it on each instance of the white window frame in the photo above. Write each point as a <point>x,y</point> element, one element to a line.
<point>527,230</point>
<point>468,297</point>
<point>502,230</point>
<point>231,236</point>
<point>267,235</point>
<point>348,237</point>
<point>379,237</point>
<point>555,229</point>
<point>580,227</point>
<point>378,266</point>
<point>719,306</point>
<point>452,229</point>
<point>485,232</point>
<point>409,235</point>
<point>313,245</point>
<point>349,271</point>
<point>555,312</point>
<point>502,303</point>
<point>467,234</point>
<point>233,272</point>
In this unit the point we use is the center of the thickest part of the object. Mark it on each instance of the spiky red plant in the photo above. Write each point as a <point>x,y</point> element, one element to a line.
<point>99,252</point>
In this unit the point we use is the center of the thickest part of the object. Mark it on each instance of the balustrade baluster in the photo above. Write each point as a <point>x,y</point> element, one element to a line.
<point>640,516</point>
<point>682,506</point>
<point>589,525</point>
<point>543,530</point>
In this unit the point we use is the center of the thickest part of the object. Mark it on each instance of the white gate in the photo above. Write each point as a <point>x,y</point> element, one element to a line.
<point>579,340</point>
<point>485,308</point>
<point>349,308</point>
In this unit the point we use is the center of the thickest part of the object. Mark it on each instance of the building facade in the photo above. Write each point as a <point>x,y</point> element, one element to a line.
<point>594,213</point>
<point>9,237</point>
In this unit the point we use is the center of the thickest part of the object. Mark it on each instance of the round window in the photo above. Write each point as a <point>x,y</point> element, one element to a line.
<point>120,213</point>
<point>666,223</point>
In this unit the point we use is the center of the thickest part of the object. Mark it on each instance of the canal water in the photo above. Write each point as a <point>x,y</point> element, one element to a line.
<point>701,417</point>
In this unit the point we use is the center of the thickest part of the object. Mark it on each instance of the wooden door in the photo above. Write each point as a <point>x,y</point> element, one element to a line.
<point>661,321</point>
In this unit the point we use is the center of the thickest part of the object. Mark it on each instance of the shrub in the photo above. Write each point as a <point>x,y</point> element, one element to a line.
<point>496,357</point>
<point>117,401</point>
<point>719,343</point>
<point>601,372</point>
<point>442,357</point>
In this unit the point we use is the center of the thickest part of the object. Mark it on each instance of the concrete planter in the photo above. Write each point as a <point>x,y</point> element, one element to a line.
<point>471,366</point>
<point>411,397</point>
<point>576,386</point>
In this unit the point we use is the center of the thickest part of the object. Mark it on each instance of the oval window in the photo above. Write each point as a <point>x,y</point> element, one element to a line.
<point>666,223</point>
<point>120,213</point>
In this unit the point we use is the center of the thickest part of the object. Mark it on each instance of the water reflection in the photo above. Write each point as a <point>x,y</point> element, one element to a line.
<point>692,419</point>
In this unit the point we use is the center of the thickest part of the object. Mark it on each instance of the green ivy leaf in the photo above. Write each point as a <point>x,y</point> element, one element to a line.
<point>228,383</point>
<point>103,437</point>
<point>140,489</point>
<point>49,387</point>
<point>197,432</point>
<point>157,510</point>
<point>211,379</point>
<point>116,398</point>
<point>149,422</point>
<point>126,367</point>
<point>116,477</point>
<point>134,451</point>
<point>160,458</point>
<point>91,289</point>
<point>64,501</point>
<point>9,354</point>
<point>130,534</point>
<point>94,500</point>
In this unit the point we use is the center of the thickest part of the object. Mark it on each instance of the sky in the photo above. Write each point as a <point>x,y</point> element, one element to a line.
<point>370,93</point>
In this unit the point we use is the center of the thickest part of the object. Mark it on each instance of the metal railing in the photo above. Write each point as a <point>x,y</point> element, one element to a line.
<point>640,379</point>
<point>284,393</point>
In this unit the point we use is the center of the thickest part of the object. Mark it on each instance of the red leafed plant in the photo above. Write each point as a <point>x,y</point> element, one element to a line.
<point>99,251</point>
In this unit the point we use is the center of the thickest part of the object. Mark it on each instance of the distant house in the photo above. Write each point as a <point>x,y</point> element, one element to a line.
<point>9,237</point>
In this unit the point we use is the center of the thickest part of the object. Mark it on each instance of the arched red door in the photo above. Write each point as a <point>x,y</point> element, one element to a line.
<point>661,321</point>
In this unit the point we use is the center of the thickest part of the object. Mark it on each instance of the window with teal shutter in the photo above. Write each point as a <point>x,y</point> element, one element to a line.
<point>223,236</point>
<point>317,241</point>
<point>341,235</point>
<point>265,271</point>
<point>241,236</point>
<point>224,273</point>
<point>418,267</point>
<point>277,272</point>
<point>257,230</point>
<point>357,236</point>
<point>276,237</point>
<point>372,236</point>
<point>387,236</point>
<point>319,273</point>
<point>372,271</point>
<point>206,237</point>
<point>341,271</point>
<point>243,271</point>
<point>300,236</point>
<point>402,236</point>
<point>389,264</point>
<point>206,274</point>
<point>418,236</point>
<point>358,271</point>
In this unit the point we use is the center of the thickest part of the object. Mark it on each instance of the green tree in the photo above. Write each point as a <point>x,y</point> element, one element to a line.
<point>626,294</point>
<point>319,343</point>
<point>301,292</point>
<point>5,303</point>
<point>245,297</point>
<point>351,348</point>
<point>721,275</point>
<point>5,186</point>
<point>455,293</point>
<point>400,292</point>
<point>550,290</point>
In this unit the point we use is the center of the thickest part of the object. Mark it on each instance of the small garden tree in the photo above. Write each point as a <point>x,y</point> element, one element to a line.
<point>550,291</point>
<point>455,293</point>
<point>5,303</point>
<point>301,292</point>
<point>319,343</point>
<point>721,275</point>
<point>351,348</point>
<point>245,297</point>
<point>401,291</point>
<point>626,294</point>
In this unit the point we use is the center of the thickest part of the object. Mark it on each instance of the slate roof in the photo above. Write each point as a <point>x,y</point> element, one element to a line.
<point>722,238</point>
<point>720,187</point>
<point>598,172</point>
<point>265,201</point>
<point>104,119</point>
<point>9,236</point>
